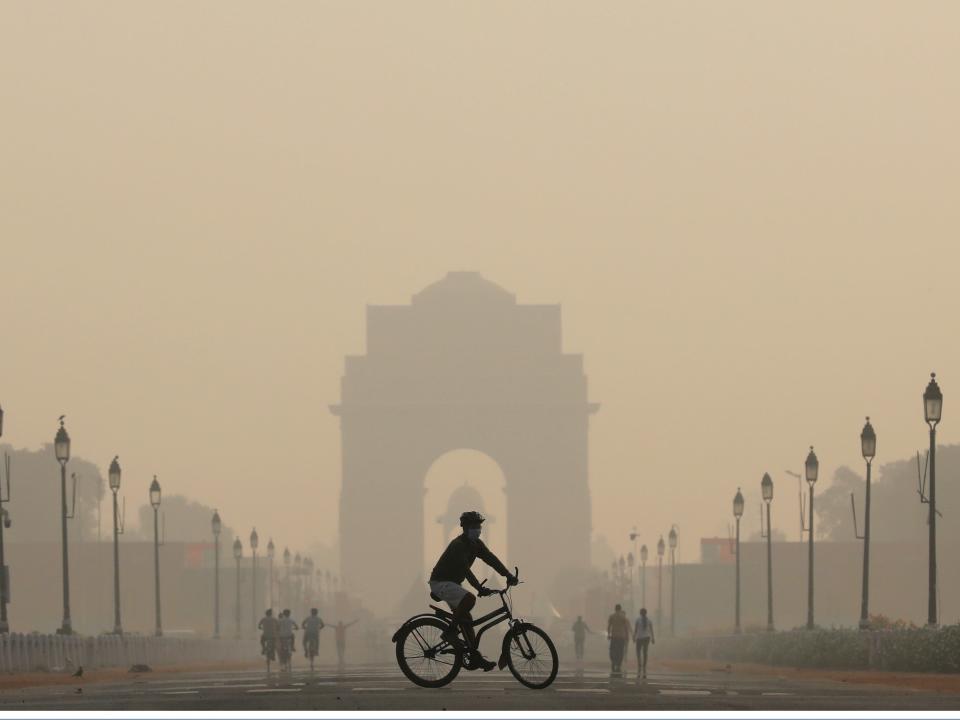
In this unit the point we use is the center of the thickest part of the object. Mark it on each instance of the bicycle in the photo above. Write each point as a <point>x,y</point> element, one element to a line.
<point>311,647</point>
<point>430,661</point>
<point>269,650</point>
<point>285,652</point>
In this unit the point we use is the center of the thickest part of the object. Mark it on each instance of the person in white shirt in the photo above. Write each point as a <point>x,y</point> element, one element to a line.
<point>285,630</point>
<point>643,636</point>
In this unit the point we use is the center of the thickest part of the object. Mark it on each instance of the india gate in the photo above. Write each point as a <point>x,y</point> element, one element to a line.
<point>463,366</point>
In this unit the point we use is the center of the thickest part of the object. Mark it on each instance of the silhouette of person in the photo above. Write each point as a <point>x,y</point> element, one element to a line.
<point>643,635</point>
<point>452,569</point>
<point>580,630</point>
<point>340,636</point>
<point>618,631</point>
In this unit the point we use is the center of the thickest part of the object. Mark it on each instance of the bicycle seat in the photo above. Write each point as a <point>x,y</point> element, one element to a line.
<point>434,597</point>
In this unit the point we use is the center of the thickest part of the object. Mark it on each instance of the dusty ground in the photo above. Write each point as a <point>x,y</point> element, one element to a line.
<point>931,682</point>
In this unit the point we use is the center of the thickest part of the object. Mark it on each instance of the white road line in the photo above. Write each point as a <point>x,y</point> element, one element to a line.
<point>777,694</point>
<point>684,692</point>
<point>274,690</point>
<point>180,692</point>
<point>583,690</point>
<point>369,689</point>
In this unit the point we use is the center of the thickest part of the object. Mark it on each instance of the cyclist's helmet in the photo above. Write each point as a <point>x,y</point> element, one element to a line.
<point>471,519</point>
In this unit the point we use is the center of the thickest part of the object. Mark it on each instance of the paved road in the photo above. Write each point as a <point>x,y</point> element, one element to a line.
<point>384,688</point>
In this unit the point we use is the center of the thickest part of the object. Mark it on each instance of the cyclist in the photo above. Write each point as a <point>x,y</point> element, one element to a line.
<point>312,626</point>
<point>268,639</point>
<point>452,569</point>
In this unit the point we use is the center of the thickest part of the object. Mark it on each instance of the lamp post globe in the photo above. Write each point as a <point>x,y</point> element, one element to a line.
<point>738,505</point>
<point>237,549</point>
<point>644,554</point>
<point>216,524</point>
<point>673,538</point>
<point>766,487</point>
<point>61,444</point>
<point>660,547</point>
<point>868,442</point>
<point>932,401</point>
<point>271,548</point>
<point>254,539</point>
<point>155,493</point>
<point>737,513</point>
<point>811,466</point>
<point>113,474</point>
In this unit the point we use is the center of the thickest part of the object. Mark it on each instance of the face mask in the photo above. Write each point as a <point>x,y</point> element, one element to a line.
<point>473,533</point>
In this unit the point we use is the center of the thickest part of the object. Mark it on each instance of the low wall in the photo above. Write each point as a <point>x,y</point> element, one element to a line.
<point>35,652</point>
<point>910,650</point>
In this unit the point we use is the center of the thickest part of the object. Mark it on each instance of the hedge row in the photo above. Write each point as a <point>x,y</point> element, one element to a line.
<point>908,650</point>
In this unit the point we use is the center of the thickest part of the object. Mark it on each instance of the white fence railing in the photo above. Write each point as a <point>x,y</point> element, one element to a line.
<point>35,652</point>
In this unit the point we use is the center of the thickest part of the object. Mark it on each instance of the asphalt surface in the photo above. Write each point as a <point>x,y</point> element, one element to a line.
<point>383,687</point>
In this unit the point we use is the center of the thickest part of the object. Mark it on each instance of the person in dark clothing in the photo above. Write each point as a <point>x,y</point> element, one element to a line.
<point>452,569</point>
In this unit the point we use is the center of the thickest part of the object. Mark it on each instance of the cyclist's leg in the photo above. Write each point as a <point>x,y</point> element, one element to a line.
<point>464,619</point>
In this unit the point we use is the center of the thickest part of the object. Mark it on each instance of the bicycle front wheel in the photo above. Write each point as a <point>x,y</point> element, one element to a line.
<point>426,658</point>
<point>532,656</point>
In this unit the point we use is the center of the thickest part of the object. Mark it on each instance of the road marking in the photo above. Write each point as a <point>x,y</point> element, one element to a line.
<point>273,690</point>
<point>777,694</point>
<point>583,690</point>
<point>684,692</point>
<point>368,689</point>
<point>180,692</point>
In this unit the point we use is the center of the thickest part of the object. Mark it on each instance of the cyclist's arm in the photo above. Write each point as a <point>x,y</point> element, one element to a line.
<point>483,552</point>
<point>472,579</point>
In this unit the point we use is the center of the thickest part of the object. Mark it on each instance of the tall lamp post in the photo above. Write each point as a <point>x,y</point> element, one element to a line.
<point>737,514</point>
<point>672,538</point>
<point>287,557</point>
<point>271,551</point>
<point>114,478</point>
<point>254,544</point>
<point>766,488</point>
<point>868,447</point>
<point>630,561</point>
<point>237,555</point>
<point>643,575</point>
<point>4,575</point>
<point>61,449</point>
<point>660,550</point>
<point>155,502</point>
<point>216,525</point>
<point>298,584</point>
<point>932,410</point>
<point>812,468</point>
<point>308,573</point>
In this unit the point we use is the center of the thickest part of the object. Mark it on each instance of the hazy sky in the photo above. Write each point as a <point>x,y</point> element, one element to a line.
<point>747,210</point>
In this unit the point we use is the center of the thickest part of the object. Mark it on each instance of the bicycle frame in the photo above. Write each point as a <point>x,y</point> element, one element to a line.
<point>491,619</point>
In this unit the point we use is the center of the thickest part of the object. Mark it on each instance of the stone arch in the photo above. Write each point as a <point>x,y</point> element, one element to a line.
<point>463,366</point>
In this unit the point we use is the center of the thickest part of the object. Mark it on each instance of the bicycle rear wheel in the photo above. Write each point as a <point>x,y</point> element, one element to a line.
<point>424,657</point>
<point>532,656</point>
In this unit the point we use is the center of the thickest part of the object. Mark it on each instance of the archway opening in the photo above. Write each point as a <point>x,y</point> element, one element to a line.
<point>458,481</point>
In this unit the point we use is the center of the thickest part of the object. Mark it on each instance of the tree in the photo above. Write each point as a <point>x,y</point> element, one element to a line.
<point>183,520</point>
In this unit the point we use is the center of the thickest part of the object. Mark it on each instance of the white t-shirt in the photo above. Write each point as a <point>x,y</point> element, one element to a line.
<point>285,627</point>
<point>641,632</point>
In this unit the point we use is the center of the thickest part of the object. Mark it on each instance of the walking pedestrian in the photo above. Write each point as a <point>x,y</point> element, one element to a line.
<point>618,631</point>
<point>643,636</point>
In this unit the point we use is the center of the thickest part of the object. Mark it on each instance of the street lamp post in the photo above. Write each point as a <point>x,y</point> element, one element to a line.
<point>4,519</point>
<point>868,447</point>
<point>932,410</point>
<point>155,502</point>
<point>237,555</point>
<point>660,549</point>
<point>216,525</point>
<point>297,604</point>
<point>672,538</point>
<point>643,575</point>
<point>271,551</point>
<point>287,557</point>
<point>812,468</point>
<point>308,573</point>
<point>766,488</point>
<point>254,544</point>
<point>61,449</point>
<point>737,514</point>
<point>630,561</point>
<point>114,479</point>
